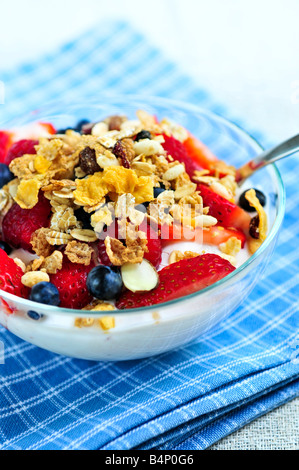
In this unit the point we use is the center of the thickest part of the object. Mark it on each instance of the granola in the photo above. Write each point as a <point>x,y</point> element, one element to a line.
<point>78,252</point>
<point>110,186</point>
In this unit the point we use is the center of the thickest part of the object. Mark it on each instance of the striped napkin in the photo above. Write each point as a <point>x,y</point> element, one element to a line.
<point>181,400</point>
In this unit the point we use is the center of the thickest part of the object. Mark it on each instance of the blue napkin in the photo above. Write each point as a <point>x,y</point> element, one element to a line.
<point>185,399</point>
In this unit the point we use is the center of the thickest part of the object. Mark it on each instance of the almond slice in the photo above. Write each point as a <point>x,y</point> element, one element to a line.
<point>141,277</point>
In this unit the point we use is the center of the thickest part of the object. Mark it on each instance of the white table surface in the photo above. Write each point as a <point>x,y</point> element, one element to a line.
<point>244,52</point>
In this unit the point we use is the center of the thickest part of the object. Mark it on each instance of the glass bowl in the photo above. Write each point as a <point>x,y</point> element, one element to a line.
<point>149,331</point>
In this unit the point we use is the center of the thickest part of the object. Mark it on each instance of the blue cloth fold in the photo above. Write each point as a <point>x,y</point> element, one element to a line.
<point>184,399</point>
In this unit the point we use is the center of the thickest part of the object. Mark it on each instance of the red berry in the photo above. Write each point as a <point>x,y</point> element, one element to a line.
<point>200,153</point>
<point>177,150</point>
<point>19,224</point>
<point>103,258</point>
<point>227,213</point>
<point>5,143</point>
<point>154,245</point>
<point>179,279</point>
<point>20,148</point>
<point>71,284</point>
<point>10,276</point>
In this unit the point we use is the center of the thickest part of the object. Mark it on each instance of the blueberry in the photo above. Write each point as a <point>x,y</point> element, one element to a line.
<point>5,247</point>
<point>84,217</point>
<point>104,283</point>
<point>45,293</point>
<point>5,175</point>
<point>158,191</point>
<point>34,315</point>
<point>143,135</point>
<point>245,204</point>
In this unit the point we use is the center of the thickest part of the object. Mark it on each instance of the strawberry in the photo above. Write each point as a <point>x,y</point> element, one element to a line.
<point>179,152</point>
<point>20,148</point>
<point>10,276</point>
<point>200,153</point>
<point>5,143</point>
<point>213,236</point>
<point>19,224</point>
<point>48,127</point>
<point>227,213</point>
<point>71,284</point>
<point>179,279</point>
<point>154,245</point>
<point>103,258</point>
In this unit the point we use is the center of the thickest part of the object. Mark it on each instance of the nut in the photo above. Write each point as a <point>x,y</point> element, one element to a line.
<point>34,277</point>
<point>205,221</point>
<point>174,172</point>
<point>141,277</point>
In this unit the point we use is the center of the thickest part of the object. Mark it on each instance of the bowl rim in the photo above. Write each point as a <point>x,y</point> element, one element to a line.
<point>155,100</point>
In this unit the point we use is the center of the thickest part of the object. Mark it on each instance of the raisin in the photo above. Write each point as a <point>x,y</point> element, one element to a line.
<point>120,151</point>
<point>254,227</point>
<point>88,161</point>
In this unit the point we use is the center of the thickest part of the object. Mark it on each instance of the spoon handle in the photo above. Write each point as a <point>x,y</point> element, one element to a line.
<point>282,150</point>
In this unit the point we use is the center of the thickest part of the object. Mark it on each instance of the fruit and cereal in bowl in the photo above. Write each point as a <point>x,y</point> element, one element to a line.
<point>112,229</point>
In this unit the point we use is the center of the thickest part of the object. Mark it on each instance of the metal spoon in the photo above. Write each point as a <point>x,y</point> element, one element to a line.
<point>282,150</point>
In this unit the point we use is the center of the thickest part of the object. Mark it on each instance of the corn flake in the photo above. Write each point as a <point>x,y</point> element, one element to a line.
<point>27,194</point>
<point>254,244</point>
<point>119,180</point>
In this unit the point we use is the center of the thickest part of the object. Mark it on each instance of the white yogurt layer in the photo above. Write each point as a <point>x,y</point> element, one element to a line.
<point>201,249</point>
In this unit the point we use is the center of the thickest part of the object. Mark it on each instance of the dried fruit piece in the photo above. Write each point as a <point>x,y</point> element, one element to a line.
<point>88,161</point>
<point>120,151</point>
<point>254,227</point>
<point>141,277</point>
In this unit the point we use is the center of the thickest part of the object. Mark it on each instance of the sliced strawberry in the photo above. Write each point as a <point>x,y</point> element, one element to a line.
<point>179,152</point>
<point>199,153</point>
<point>49,128</point>
<point>10,276</point>
<point>5,144</point>
<point>71,284</point>
<point>154,245</point>
<point>103,258</point>
<point>213,236</point>
<point>20,148</point>
<point>217,235</point>
<point>179,279</point>
<point>227,213</point>
<point>19,224</point>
